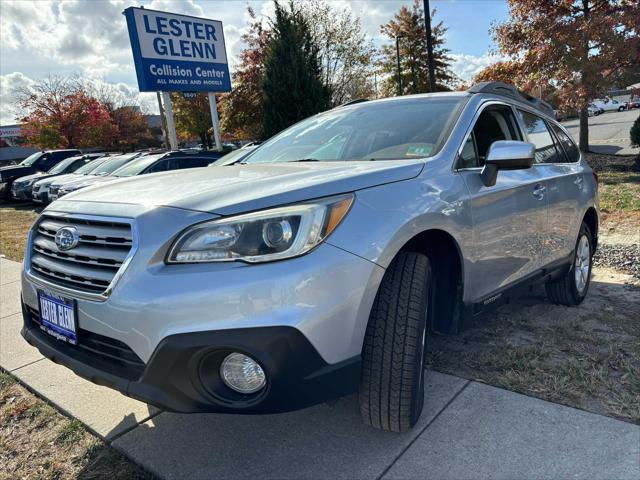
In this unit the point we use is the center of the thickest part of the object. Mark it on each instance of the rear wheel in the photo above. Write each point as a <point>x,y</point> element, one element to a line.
<point>571,288</point>
<point>391,391</point>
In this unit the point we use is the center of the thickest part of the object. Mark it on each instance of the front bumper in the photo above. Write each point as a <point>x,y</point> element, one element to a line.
<point>182,374</point>
<point>21,194</point>
<point>5,189</point>
<point>303,318</point>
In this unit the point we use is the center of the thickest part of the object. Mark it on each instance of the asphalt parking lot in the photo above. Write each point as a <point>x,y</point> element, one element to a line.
<point>608,132</point>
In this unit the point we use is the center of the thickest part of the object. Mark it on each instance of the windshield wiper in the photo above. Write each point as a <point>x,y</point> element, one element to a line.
<point>305,160</point>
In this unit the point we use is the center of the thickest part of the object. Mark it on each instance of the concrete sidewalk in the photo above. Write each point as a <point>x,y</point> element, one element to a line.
<point>468,430</point>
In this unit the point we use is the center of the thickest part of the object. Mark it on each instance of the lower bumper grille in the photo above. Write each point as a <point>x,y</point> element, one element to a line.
<point>116,355</point>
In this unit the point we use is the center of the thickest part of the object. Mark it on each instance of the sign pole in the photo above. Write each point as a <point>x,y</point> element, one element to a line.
<point>163,122</point>
<point>171,126</point>
<point>213,106</point>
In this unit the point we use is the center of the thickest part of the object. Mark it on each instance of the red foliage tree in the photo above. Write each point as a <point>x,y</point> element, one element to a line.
<point>582,46</point>
<point>242,110</point>
<point>60,113</point>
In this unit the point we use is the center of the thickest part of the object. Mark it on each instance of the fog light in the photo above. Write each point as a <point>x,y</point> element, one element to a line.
<point>242,373</point>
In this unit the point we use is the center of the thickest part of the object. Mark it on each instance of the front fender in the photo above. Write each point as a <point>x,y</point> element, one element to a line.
<point>384,218</point>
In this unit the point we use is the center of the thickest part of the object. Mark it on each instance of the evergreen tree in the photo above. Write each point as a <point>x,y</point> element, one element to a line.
<point>408,27</point>
<point>292,86</point>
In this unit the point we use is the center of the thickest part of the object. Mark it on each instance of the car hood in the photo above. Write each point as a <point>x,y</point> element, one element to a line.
<point>89,180</point>
<point>15,171</point>
<point>238,188</point>
<point>69,178</point>
<point>48,180</point>
<point>33,178</point>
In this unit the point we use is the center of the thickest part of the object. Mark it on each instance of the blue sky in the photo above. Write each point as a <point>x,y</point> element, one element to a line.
<point>88,37</point>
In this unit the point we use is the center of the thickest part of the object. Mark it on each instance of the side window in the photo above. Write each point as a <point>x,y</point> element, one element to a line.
<point>496,122</point>
<point>570,148</point>
<point>540,136</point>
<point>45,162</point>
<point>161,166</point>
<point>468,156</point>
<point>182,163</point>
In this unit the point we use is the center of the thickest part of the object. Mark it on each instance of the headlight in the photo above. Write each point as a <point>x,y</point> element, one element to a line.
<point>263,236</point>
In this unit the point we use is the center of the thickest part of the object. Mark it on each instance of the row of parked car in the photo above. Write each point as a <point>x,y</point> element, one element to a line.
<point>601,106</point>
<point>48,175</point>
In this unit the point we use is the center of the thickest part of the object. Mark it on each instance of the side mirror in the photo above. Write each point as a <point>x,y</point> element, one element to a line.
<point>506,155</point>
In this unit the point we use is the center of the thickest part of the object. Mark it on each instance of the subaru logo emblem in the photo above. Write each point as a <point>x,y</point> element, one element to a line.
<point>67,238</point>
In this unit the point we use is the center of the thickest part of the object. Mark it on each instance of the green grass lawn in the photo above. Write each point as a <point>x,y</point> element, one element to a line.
<point>619,191</point>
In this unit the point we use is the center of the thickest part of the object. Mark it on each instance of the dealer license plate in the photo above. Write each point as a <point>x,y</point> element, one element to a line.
<point>58,316</point>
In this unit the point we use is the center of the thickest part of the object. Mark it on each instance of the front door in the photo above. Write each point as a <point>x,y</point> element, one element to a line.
<point>510,218</point>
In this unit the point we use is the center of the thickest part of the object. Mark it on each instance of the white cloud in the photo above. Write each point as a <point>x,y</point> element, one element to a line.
<point>9,84</point>
<point>89,38</point>
<point>121,92</point>
<point>467,66</point>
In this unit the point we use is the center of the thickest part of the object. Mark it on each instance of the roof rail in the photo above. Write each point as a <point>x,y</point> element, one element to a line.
<point>507,90</point>
<point>354,101</point>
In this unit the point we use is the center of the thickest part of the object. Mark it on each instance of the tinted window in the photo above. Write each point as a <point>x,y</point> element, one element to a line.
<point>31,159</point>
<point>137,166</point>
<point>60,167</point>
<point>192,162</point>
<point>540,136</point>
<point>112,164</point>
<point>405,128</point>
<point>89,167</point>
<point>570,149</point>
<point>161,166</point>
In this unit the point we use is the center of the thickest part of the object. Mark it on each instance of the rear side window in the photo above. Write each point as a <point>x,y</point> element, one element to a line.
<point>570,148</point>
<point>539,135</point>
<point>192,162</point>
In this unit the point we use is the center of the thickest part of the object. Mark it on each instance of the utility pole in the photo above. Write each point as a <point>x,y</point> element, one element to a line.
<point>398,63</point>
<point>427,26</point>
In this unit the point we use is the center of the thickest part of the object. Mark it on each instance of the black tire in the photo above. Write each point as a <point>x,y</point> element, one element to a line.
<point>567,290</point>
<point>391,391</point>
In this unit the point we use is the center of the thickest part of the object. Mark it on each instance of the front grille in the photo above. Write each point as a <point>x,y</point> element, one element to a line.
<point>113,355</point>
<point>92,264</point>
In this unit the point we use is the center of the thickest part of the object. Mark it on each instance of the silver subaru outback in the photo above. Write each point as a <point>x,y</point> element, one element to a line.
<point>318,265</point>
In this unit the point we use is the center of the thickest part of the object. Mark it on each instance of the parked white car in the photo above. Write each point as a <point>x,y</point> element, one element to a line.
<point>610,105</point>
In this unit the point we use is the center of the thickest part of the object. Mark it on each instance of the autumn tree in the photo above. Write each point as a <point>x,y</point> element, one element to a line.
<point>192,117</point>
<point>292,87</point>
<point>242,109</point>
<point>407,26</point>
<point>60,113</point>
<point>345,53</point>
<point>127,116</point>
<point>582,46</point>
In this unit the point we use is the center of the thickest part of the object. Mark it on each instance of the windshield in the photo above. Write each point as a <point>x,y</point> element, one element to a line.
<point>60,167</point>
<point>31,159</point>
<point>233,156</point>
<point>92,165</point>
<point>137,166</point>
<point>388,130</point>
<point>112,164</point>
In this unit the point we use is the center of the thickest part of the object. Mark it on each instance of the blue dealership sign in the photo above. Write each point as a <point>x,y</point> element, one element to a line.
<point>177,53</point>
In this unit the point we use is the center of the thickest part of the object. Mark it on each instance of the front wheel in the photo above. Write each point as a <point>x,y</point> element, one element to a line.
<point>391,393</point>
<point>572,287</point>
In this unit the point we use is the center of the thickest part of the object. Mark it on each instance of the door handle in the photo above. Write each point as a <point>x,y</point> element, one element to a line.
<point>578,181</point>
<point>539,191</point>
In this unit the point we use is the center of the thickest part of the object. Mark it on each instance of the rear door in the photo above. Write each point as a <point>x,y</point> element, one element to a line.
<point>509,218</point>
<point>566,183</point>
